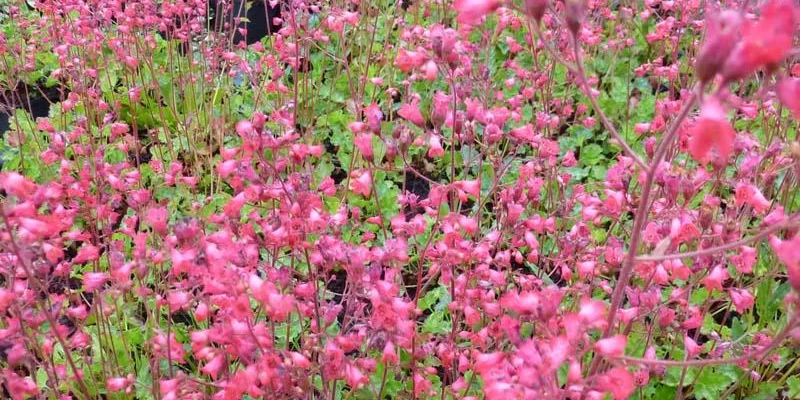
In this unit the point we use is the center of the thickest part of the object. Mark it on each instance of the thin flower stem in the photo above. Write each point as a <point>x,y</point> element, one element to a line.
<point>783,335</point>
<point>640,218</point>
<point>727,246</point>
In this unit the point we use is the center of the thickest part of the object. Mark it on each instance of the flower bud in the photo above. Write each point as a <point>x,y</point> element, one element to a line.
<point>721,36</point>
<point>535,9</point>
<point>575,13</point>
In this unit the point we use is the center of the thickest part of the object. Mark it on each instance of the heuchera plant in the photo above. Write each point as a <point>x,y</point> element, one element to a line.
<point>469,199</point>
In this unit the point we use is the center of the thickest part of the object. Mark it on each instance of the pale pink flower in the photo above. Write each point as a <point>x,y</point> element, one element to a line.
<point>94,280</point>
<point>612,347</point>
<point>361,182</point>
<point>471,11</point>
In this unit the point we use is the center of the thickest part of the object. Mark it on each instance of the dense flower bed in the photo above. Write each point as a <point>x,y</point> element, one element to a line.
<point>418,199</point>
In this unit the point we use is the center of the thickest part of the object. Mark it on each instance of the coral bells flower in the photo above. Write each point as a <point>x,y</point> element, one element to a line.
<point>407,61</point>
<point>619,382</point>
<point>715,278</point>
<point>613,346</point>
<point>691,347</point>
<point>789,94</point>
<point>711,131</point>
<point>93,281</point>
<point>119,384</point>
<point>788,252</point>
<point>751,195</point>
<point>412,113</point>
<point>363,142</point>
<point>742,299</point>
<point>471,11</point>
<point>722,34</point>
<point>361,182</point>
<point>764,43</point>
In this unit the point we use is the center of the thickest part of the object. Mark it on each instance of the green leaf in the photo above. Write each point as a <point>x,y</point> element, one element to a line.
<point>673,376</point>
<point>767,391</point>
<point>711,383</point>
<point>591,154</point>
<point>793,383</point>
<point>430,298</point>
<point>664,393</point>
<point>436,324</point>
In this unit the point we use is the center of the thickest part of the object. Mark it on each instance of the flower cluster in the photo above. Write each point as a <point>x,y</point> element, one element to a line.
<point>430,199</point>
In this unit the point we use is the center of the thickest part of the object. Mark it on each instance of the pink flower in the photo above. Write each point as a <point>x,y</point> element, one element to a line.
<point>711,131</point>
<point>118,384</point>
<point>642,128</point>
<point>407,61</point>
<point>19,387</point>
<point>361,182</point>
<point>789,94</point>
<point>300,360</point>
<point>472,187</point>
<point>93,281</point>
<point>764,43</point>
<point>363,142</point>
<point>421,384</point>
<point>374,117</point>
<point>751,195</point>
<point>119,129</point>
<point>535,8</point>
<point>619,382</point>
<point>691,347</point>
<point>788,251</point>
<point>178,300</point>
<point>592,311</point>
<point>16,184</point>
<point>410,112</point>
<point>38,228</point>
<point>357,126</point>
<point>354,377</point>
<point>486,362</point>
<point>742,299</point>
<point>471,11</point>
<point>389,354</point>
<point>431,71</point>
<point>201,312</point>
<point>86,253</point>
<point>745,260</point>
<point>277,306</point>
<point>722,34</point>
<point>214,366</point>
<point>714,280</point>
<point>435,149</point>
<point>521,303</point>
<point>157,219</point>
<point>244,128</point>
<point>611,347</point>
